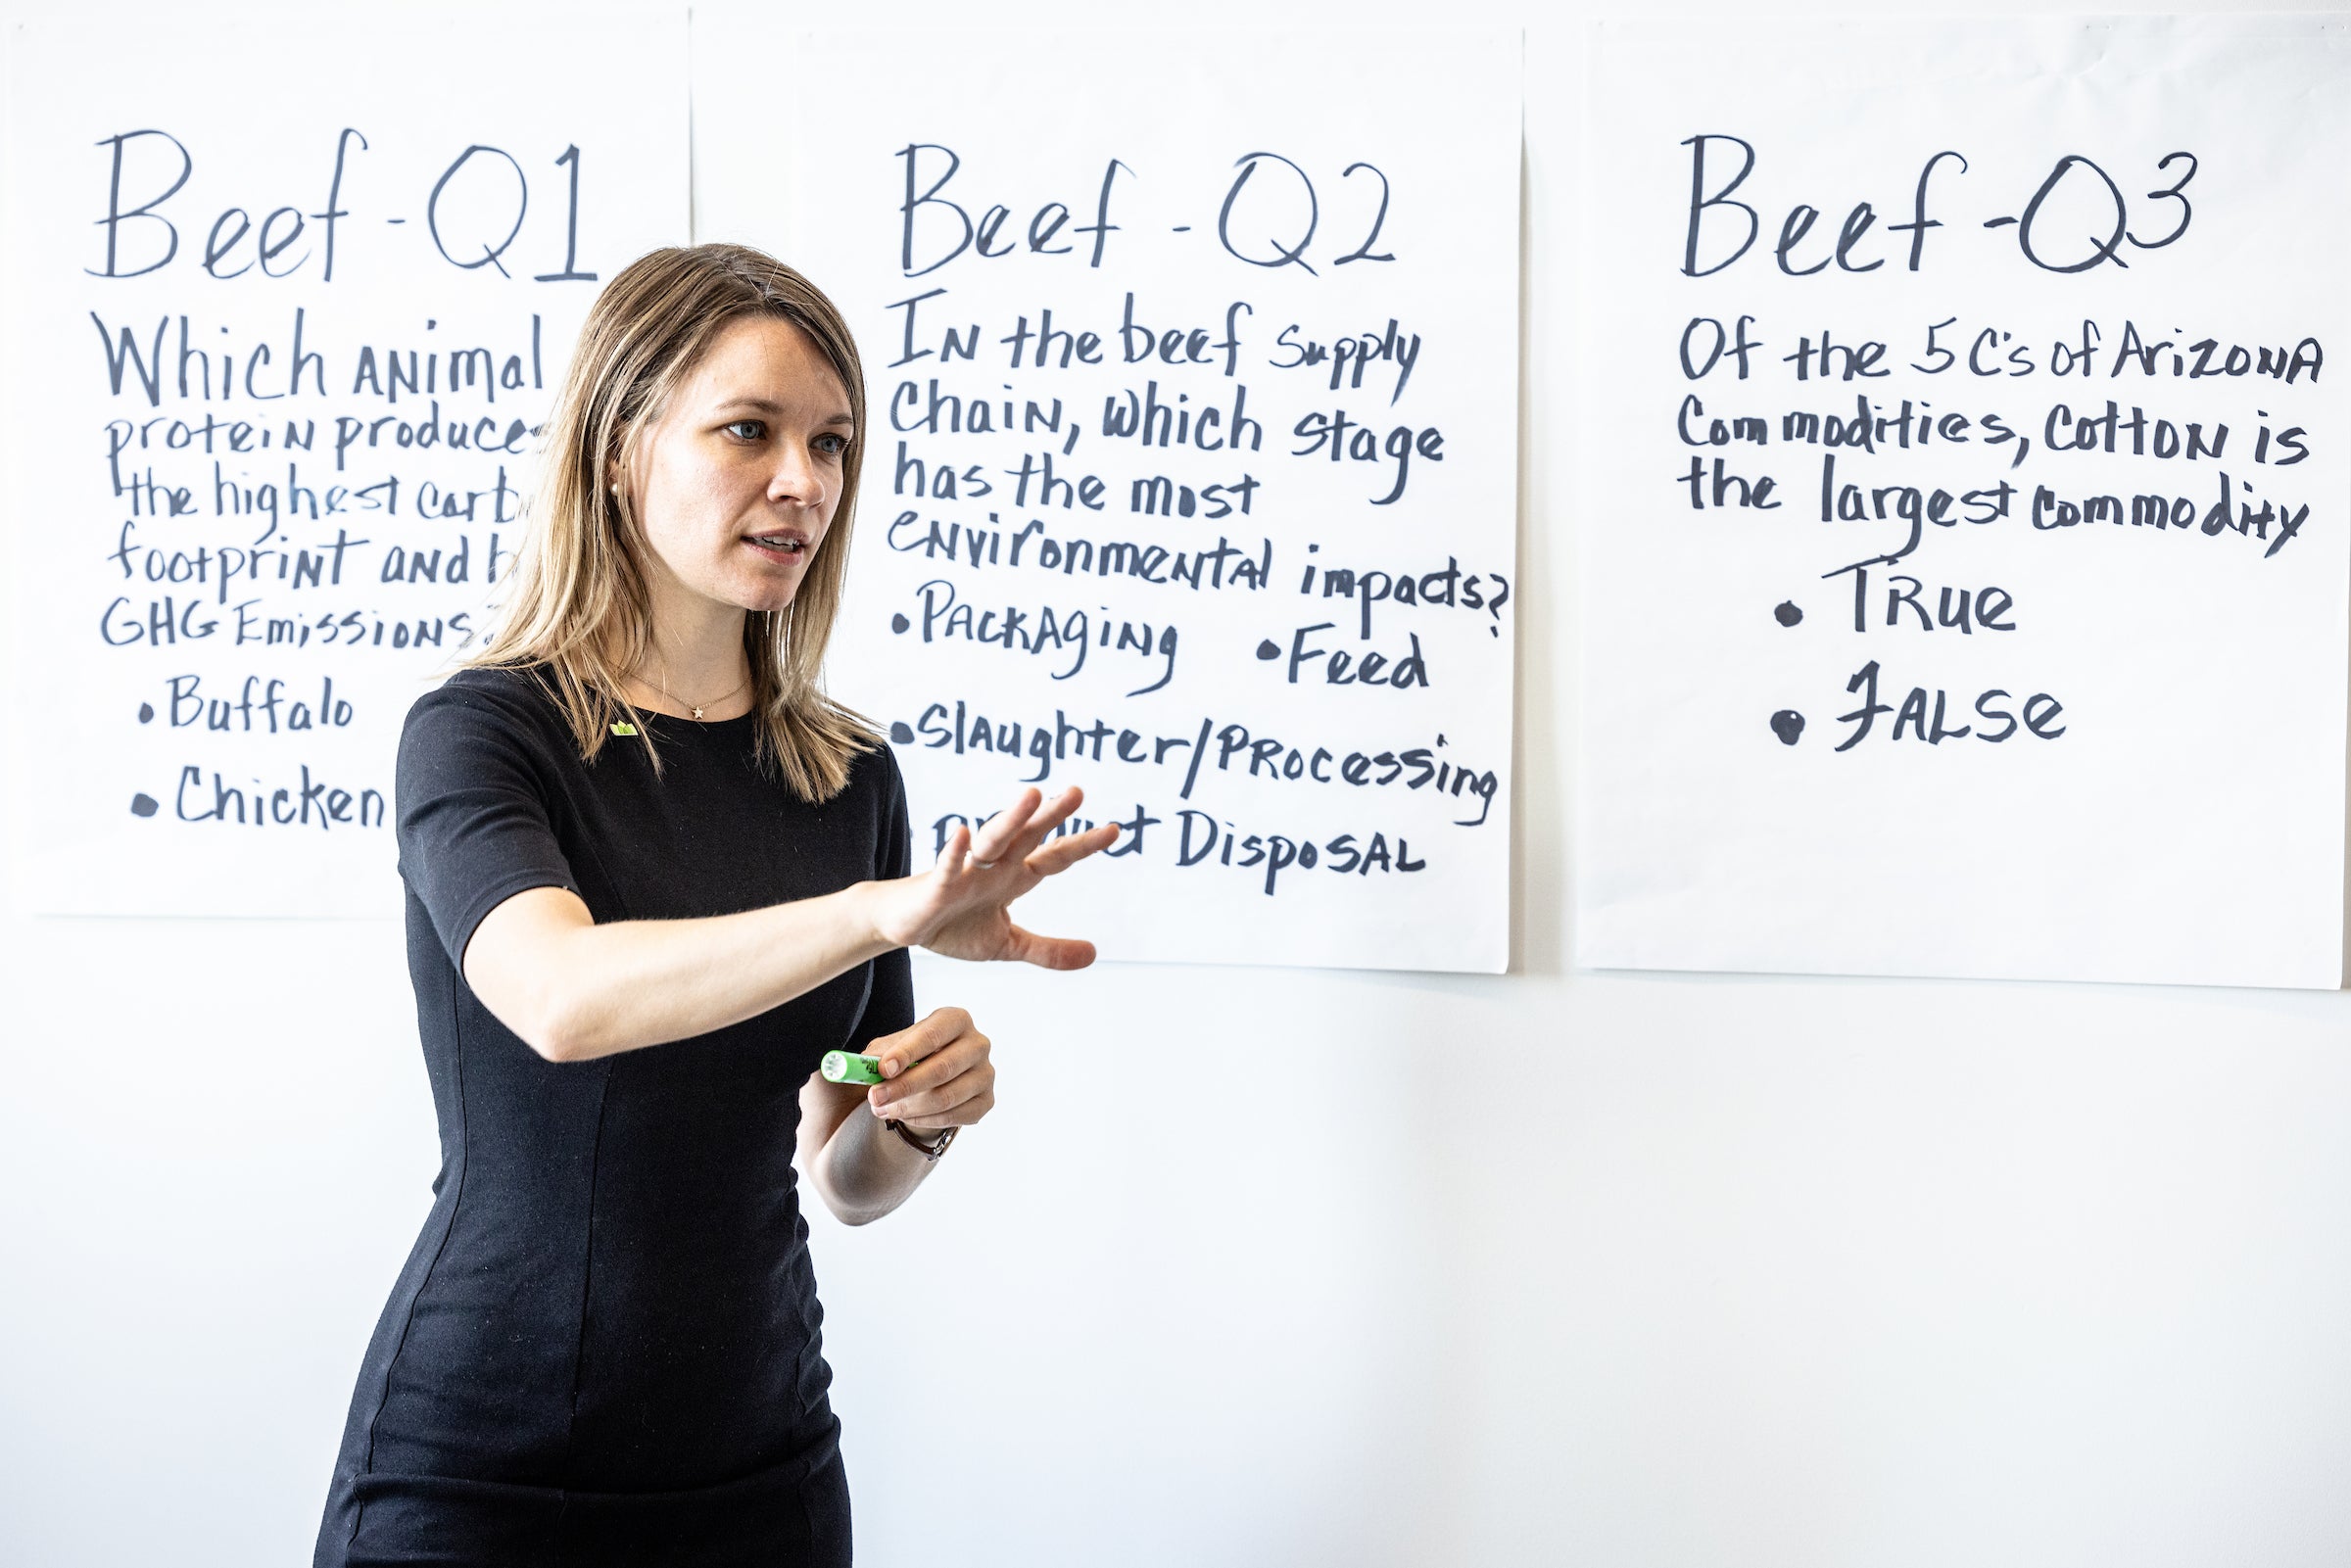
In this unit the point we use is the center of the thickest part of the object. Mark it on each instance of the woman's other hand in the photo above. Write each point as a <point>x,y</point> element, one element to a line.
<point>958,907</point>
<point>939,1076</point>
<point>936,1074</point>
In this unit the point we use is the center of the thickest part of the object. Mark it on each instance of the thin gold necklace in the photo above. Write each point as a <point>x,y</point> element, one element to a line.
<point>660,684</point>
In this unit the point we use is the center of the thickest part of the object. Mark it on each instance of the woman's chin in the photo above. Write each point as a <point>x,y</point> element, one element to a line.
<point>773,599</point>
<point>771,589</point>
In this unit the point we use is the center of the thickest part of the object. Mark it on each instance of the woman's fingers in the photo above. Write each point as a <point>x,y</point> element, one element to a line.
<point>1050,952</point>
<point>919,1041</point>
<point>1064,852</point>
<point>1014,833</point>
<point>1041,826</point>
<point>996,836</point>
<point>944,1078</point>
<point>953,853</point>
<point>960,1100</point>
<point>1016,842</point>
<point>959,909</point>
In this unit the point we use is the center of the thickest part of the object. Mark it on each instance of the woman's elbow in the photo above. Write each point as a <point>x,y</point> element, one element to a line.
<point>555,1033</point>
<point>550,1046</point>
<point>523,965</point>
<point>841,1205</point>
<point>852,1215</point>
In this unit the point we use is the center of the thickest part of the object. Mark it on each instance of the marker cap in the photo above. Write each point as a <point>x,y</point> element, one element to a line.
<point>843,1066</point>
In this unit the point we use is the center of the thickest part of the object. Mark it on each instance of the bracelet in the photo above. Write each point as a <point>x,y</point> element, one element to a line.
<point>932,1148</point>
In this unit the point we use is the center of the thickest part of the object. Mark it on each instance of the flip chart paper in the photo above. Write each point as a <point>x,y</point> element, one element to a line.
<point>1963,529</point>
<point>1190,474</point>
<point>283,329</point>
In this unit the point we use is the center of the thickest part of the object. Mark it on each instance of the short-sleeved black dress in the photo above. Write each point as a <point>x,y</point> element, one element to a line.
<point>604,1348</point>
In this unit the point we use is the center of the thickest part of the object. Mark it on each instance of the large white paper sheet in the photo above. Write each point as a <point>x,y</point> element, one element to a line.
<point>1191,474</point>
<point>2030,661</point>
<point>288,303</point>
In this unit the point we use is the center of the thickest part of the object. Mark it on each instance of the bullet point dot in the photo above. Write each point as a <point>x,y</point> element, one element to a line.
<point>142,805</point>
<point>1268,650</point>
<point>1788,725</point>
<point>1788,614</point>
<point>900,623</point>
<point>899,733</point>
<point>146,713</point>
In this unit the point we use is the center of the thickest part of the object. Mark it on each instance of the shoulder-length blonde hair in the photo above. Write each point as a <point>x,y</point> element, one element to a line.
<point>579,605</point>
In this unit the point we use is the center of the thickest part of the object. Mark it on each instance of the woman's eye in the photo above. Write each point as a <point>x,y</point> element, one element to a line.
<point>747,429</point>
<point>832,445</point>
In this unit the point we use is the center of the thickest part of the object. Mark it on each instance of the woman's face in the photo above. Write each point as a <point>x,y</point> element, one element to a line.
<point>737,480</point>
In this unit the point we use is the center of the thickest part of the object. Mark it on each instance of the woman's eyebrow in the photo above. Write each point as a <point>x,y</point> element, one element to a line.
<point>769,406</point>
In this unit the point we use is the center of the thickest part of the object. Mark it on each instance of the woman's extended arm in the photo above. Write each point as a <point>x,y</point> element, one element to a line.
<point>574,990</point>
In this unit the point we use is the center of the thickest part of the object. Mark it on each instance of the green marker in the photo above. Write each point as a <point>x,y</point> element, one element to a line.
<point>841,1067</point>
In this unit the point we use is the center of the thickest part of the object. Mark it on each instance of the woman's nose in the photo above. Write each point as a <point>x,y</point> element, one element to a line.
<point>796,478</point>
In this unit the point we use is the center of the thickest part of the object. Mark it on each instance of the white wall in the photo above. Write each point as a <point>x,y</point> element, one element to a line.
<point>1696,1271</point>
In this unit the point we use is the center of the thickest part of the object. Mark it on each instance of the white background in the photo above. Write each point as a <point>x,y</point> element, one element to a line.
<point>1261,1266</point>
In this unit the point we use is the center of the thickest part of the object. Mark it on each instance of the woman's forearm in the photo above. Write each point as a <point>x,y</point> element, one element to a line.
<point>575,990</point>
<point>937,1076</point>
<point>864,1170</point>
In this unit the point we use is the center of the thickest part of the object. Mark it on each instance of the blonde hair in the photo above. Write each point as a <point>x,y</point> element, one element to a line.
<point>579,606</point>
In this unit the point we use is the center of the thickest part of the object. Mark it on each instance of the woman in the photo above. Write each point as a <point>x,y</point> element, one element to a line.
<point>653,875</point>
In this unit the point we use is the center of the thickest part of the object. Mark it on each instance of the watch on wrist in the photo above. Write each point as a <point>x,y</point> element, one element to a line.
<point>932,1148</point>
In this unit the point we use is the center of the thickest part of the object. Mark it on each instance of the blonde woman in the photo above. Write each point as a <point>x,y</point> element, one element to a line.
<point>653,875</point>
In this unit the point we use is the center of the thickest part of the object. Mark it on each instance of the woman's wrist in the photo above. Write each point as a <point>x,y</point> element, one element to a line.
<point>869,916</point>
<point>925,1144</point>
<point>889,1155</point>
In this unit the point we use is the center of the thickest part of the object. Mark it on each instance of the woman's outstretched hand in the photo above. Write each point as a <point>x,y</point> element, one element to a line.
<point>958,907</point>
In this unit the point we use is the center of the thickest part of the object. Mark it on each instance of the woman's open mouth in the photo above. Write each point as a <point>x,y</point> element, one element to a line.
<point>782,545</point>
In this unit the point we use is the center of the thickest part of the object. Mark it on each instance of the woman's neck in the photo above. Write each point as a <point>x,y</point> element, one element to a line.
<point>696,659</point>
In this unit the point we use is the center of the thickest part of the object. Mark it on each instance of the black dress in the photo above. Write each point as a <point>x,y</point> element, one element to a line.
<point>604,1345</point>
